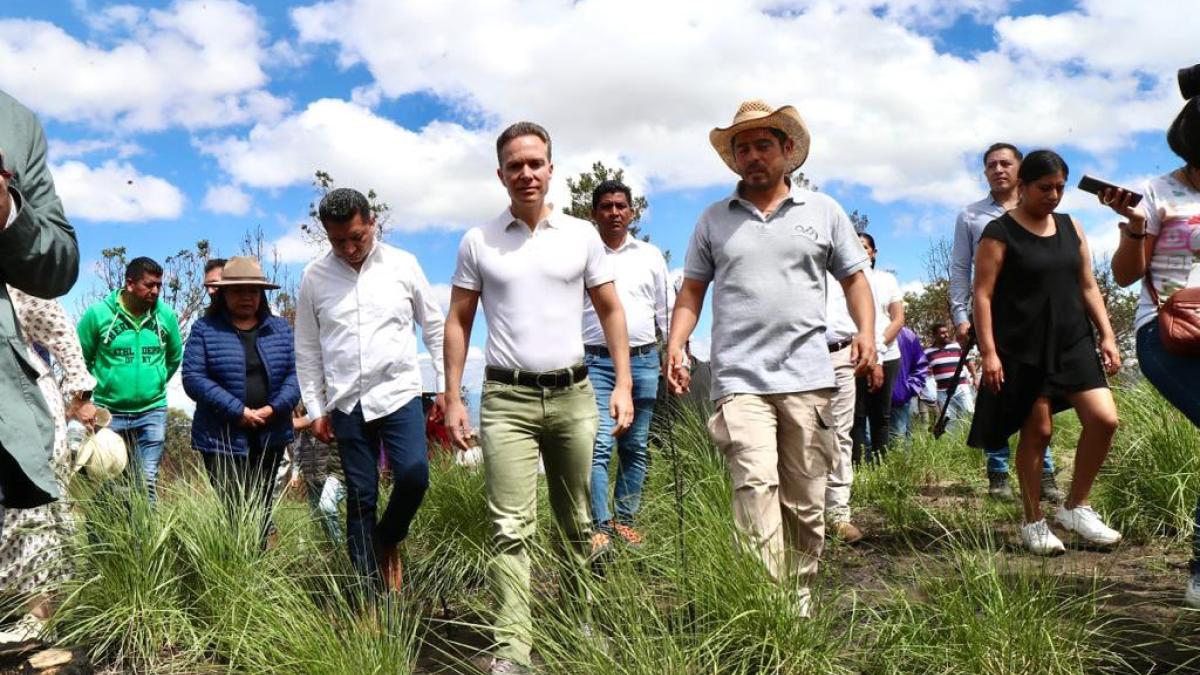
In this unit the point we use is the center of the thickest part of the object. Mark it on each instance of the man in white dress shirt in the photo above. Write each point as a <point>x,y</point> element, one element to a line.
<point>356,358</point>
<point>530,267</point>
<point>644,286</point>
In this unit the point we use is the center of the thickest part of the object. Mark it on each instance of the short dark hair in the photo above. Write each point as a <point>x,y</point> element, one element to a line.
<point>934,326</point>
<point>217,306</point>
<point>779,134</point>
<point>214,264</point>
<point>608,187</point>
<point>518,130</point>
<point>870,240</point>
<point>1042,163</point>
<point>1183,136</point>
<point>140,267</point>
<point>996,147</point>
<point>340,205</point>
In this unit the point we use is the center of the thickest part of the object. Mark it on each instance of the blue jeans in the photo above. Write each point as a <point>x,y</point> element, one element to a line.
<point>997,460</point>
<point>901,419</point>
<point>1174,377</point>
<point>144,435</point>
<point>402,436</point>
<point>631,446</point>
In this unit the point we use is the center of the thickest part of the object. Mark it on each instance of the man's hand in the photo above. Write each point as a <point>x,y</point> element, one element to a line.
<point>439,405</point>
<point>961,332</point>
<point>6,202</point>
<point>83,411</point>
<point>457,423</point>
<point>620,407</point>
<point>677,371</point>
<point>862,354</point>
<point>875,379</point>
<point>322,429</point>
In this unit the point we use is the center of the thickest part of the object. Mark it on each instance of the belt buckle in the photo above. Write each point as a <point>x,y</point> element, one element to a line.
<point>553,375</point>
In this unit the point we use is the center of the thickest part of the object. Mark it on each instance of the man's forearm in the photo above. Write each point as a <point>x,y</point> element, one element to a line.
<point>617,337</point>
<point>454,348</point>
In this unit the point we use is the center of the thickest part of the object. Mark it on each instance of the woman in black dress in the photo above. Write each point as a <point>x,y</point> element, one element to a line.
<point>1034,296</point>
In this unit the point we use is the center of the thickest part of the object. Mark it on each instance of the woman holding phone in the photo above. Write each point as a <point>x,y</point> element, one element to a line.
<point>1034,297</point>
<point>1160,246</point>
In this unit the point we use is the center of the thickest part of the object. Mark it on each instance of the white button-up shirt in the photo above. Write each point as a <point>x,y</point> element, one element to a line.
<point>356,333</point>
<point>644,287</point>
<point>532,284</point>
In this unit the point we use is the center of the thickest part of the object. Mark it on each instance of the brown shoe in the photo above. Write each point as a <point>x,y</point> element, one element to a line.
<point>601,543</point>
<point>846,531</point>
<point>631,536</point>
<point>390,568</point>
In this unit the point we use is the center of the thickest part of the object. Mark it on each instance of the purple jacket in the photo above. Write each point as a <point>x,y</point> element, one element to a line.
<point>914,368</point>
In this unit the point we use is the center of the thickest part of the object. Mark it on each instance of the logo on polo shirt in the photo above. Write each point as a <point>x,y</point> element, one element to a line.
<point>804,230</point>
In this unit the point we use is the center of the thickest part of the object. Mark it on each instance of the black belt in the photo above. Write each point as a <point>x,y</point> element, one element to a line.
<point>840,345</point>
<point>550,379</point>
<point>598,350</point>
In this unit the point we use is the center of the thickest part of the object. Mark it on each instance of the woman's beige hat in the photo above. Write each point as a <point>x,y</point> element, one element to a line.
<point>757,114</point>
<point>243,270</point>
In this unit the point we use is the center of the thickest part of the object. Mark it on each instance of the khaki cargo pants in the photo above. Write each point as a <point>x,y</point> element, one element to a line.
<point>779,448</point>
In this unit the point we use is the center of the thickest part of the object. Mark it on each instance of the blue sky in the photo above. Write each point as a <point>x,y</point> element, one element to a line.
<point>173,121</point>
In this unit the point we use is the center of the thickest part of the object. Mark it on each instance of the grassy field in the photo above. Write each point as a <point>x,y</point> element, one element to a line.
<point>939,585</point>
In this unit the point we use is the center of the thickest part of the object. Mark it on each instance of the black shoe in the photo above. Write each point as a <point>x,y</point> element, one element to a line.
<point>998,486</point>
<point>1050,491</point>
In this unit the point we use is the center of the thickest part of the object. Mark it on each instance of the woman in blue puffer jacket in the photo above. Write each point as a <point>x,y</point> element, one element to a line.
<point>239,366</point>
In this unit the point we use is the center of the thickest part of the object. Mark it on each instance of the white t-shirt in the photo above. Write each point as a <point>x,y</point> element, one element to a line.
<point>532,284</point>
<point>839,325</point>
<point>885,290</point>
<point>645,290</point>
<point>1173,214</point>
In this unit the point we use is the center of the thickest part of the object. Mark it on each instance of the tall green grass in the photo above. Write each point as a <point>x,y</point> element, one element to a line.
<point>182,589</point>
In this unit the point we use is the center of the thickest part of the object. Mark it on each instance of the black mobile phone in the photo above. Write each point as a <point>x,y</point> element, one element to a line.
<point>1095,185</point>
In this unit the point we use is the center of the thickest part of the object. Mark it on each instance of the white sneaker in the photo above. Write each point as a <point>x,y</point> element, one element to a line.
<point>1085,522</point>
<point>1192,595</point>
<point>26,629</point>
<point>1038,538</point>
<point>506,667</point>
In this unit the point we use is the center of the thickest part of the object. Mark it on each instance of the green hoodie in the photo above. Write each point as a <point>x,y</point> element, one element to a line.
<point>131,359</point>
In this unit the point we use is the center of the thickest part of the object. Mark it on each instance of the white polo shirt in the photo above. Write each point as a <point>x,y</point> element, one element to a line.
<point>532,284</point>
<point>644,287</point>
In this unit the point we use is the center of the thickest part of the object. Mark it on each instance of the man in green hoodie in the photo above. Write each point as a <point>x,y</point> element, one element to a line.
<point>132,347</point>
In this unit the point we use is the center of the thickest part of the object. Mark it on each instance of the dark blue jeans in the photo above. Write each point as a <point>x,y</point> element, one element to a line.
<point>631,446</point>
<point>1175,377</point>
<point>402,436</point>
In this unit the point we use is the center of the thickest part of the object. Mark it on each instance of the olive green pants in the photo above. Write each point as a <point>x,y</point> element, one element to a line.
<point>516,424</point>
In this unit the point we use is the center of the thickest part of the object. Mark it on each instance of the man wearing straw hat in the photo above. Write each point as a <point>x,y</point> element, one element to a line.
<point>356,359</point>
<point>766,249</point>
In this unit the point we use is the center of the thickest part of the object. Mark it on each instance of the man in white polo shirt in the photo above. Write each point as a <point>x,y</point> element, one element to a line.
<point>531,267</point>
<point>766,249</point>
<point>356,359</point>
<point>644,286</point>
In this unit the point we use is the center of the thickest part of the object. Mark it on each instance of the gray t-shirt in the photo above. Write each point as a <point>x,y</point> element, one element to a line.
<point>768,274</point>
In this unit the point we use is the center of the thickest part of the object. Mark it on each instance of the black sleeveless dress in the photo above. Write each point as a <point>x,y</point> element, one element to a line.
<point>1042,332</point>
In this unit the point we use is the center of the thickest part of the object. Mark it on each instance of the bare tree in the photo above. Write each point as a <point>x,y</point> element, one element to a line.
<point>183,280</point>
<point>314,232</point>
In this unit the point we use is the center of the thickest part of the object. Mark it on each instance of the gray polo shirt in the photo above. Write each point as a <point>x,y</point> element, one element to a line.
<point>768,274</point>
<point>967,231</point>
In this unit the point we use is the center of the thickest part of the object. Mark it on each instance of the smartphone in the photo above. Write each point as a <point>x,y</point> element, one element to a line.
<point>1095,185</point>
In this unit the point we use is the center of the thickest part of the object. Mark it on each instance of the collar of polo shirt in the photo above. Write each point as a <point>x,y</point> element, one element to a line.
<point>548,220</point>
<point>795,195</point>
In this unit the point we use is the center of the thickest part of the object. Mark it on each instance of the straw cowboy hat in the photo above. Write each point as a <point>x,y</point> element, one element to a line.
<point>756,114</point>
<point>243,270</point>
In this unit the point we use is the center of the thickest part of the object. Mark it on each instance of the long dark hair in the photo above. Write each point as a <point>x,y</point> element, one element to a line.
<point>1183,137</point>
<point>1041,163</point>
<point>218,307</point>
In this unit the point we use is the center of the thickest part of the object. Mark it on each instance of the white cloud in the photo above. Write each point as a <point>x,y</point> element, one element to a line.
<point>472,371</point>
<point>115,192</point>
<point>62,149</point>
<point>294,247</point>
<point>890,113</point>
<point>196,64</point>
<point>915,286</point>
<point>440,176</point>
<point>228,199</point>
<point>442,293</point>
